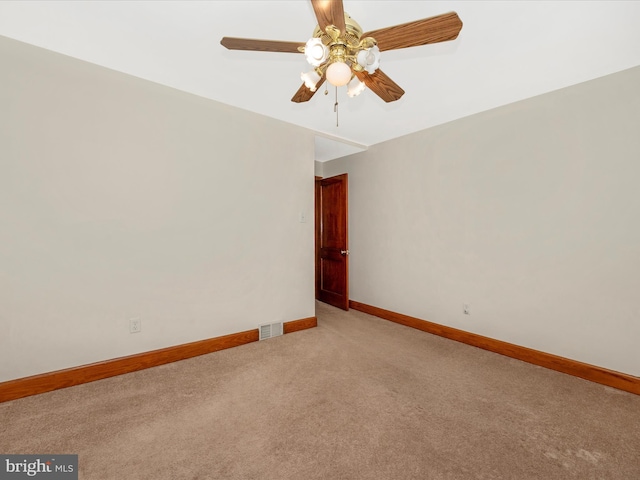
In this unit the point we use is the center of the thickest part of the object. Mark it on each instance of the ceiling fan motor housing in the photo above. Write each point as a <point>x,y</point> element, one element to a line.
<point>347,47</point>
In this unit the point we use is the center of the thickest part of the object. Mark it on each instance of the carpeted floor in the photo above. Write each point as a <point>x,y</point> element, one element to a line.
<point>356,398</point>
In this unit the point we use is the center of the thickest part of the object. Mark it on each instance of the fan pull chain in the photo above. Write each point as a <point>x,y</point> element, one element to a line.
<point>335,107</point>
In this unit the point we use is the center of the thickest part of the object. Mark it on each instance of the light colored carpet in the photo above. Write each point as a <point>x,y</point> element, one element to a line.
<point>356,398</point>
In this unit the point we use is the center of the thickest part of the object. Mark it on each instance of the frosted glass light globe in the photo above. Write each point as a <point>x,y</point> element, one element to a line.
<point>355,87</point>
<point>338,74</point>
<point>369,59</point>
<point>310,79</point>
<point>316,52</point>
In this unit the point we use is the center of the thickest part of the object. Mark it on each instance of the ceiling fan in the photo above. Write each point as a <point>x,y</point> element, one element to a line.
<point>341,53</point>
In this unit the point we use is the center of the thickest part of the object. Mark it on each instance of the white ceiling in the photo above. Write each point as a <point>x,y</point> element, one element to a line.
<point>505,52</point>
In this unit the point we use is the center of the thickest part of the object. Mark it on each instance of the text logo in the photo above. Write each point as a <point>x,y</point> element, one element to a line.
<point>45,467</point>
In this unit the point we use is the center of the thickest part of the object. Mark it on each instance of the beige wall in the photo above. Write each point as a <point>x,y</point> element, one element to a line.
<point>122,198</point>
<point>530,213</point>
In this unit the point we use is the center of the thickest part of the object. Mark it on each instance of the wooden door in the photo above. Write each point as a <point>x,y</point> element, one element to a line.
<point>332,247</point>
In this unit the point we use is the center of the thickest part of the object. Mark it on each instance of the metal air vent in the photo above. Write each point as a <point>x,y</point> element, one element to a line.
<point>269,330</point>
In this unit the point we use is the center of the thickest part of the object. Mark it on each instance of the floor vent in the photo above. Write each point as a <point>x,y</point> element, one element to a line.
<point>269,330</point>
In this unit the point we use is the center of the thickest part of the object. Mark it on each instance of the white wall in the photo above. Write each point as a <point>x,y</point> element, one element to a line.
<point>530,213</point>
<point>122,198</point>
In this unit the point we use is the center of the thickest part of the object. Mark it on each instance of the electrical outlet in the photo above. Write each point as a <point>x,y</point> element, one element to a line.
<point>466,309</point>
<point>135,325</point>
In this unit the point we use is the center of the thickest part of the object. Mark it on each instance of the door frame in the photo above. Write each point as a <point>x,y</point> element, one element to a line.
<point>318,230</point>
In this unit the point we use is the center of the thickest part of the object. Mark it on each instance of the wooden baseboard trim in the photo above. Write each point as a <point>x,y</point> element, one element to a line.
<point>586,371</point>
<point>46,382</point>
<point>302,324</point>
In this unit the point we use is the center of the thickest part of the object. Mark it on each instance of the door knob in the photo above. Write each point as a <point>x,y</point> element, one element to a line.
<point>344,252</point>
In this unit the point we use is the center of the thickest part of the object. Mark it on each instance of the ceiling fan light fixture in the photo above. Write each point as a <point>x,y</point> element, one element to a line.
<point>316,52</point>
<point>310,79</point>
<point>355,87</point>
<point>338,74</point>
<point>339,47</point>
<point>369,59</point>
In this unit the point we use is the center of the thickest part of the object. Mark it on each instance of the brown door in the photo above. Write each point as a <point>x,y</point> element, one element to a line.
<point>332,248</point>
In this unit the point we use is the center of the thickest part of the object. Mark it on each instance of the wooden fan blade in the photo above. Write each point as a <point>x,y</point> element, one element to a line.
<point>381,85</point>
<point>304,94</point>
<point>329,12</point>
<point>440,28</point>
<point>260,45</point>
